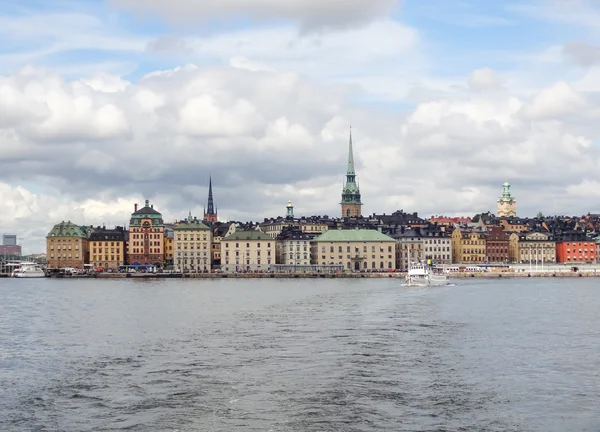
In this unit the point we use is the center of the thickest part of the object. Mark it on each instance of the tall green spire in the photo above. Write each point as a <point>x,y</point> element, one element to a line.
<point>350,171</point>
<point>350,191</point>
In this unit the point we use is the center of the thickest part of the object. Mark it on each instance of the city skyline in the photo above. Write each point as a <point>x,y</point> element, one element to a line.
<point>446,102</point>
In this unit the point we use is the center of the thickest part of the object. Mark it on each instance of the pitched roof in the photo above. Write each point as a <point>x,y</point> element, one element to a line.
<point>355,235</point>
<point>66,229</point>
<point>194,224</point>
<point>248,235</point>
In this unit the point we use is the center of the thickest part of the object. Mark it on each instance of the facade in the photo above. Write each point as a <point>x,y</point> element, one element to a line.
<point>575,248</point>
<point>514,225</point>
<point>351,202</point>
<point>468,246</point>
<point>9,240</point>
<point>10,250</point>
<point>533,247</point>
<point>497,245</point>
<point>356,250</point>
<point>169,246</point>
<point>437,247</point>
<point>146,236</point>
<point>66,246</point>
<point>210,212</point>
<point>507,206</point>
<point>293,247</point>
<point>409,247</point>
<point>107,248</point>
<point>192,244</point>
<point>247,251</point>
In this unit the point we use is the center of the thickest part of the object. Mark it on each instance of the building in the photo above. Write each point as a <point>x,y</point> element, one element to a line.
<point>220,230</point>
<point>351,203</point>
<point>437,247</point>
<point>169,239</point>
<point>274,226</point>
<point>575,247</point>
<point>13,251</point>
<point>107,247</point>
<point>67,246</point>
<point>496,245</point>
<point>357,249</point>
<point>468,246</point>
<point>9,240</point>
<point>507,206</point>
<point>293,247</point>
<point>247,251</point>
<point>210,212</point>
<point>192,245</point>
<point>533,247</point>
<point>409,247</point>
<point>146,236</point>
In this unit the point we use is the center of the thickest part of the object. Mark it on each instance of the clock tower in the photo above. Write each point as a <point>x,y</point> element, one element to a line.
<point>507,206</point>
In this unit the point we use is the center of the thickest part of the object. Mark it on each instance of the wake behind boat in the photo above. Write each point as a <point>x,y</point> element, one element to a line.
<point>420,274</point>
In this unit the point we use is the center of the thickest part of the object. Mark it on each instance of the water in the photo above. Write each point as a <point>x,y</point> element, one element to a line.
<point>282,355</point>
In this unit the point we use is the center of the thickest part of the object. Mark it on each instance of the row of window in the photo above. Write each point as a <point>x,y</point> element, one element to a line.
<point>185,237</point>
<point>237,245</point>
<point>100,250</point>
<point>179,254</point>
<point>237,253</point>
<point>237,261</point>
<point>191,246</point>
<point>146,236</point>
<point>64,256</point>
<point>150,250</point>
<point>112,258</point>
<point>64,247</point>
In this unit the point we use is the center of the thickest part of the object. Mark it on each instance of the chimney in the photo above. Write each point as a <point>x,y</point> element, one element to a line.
<point>135,207</point>
<point>152,206</point>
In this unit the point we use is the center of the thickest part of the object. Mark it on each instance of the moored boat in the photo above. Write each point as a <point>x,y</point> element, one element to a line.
<point>29,270</point>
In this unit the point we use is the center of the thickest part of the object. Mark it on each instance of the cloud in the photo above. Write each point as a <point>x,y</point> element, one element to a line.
<point>309,14</point>
<point>483,79</point>
<point>582,53</point>
<point>270,136</point>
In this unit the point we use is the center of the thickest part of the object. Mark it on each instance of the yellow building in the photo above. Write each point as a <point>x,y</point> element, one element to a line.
<point>247,251</point>
<point>66,246</point>
<point>468,246</point>
<point>107,248</point>
<point>169,245</point>
<point>535,247</point>
<point>355,249</point>
<point>192,244</point>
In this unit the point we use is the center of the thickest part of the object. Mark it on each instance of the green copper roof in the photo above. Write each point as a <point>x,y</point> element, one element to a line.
<point>191,225</point>
<point>506,196</point>
<point>66,229</point>
<point>353,235</point>
<point>248,235</point>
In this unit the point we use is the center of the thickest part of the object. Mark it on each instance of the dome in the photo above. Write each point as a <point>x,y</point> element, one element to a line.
<point>506,184</point>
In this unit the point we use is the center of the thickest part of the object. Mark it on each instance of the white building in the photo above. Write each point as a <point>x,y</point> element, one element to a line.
<point>247,251</point>
<point>192,246</point>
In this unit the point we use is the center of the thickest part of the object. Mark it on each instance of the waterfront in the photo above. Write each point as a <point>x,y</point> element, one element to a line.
<point>298,355</point>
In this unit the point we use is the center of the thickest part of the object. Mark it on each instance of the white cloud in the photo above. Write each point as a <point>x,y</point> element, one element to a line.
<point>310,14</point>
<point>483,79</point>
<point>556,101</point>
<point>270,136</point>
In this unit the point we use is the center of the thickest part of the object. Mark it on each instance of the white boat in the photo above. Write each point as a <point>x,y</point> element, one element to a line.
<point>420,274</point>
<point>29,270</point>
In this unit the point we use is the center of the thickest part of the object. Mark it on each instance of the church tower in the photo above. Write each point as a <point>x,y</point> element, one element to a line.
<point>210,212</point>
<point>351,204</point>
<point>507,206</point>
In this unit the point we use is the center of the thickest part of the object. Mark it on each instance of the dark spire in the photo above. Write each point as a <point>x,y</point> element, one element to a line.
<point>211,205</point>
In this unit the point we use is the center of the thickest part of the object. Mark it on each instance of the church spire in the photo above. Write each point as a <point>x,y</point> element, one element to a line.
<point>210,215</point>
<point>351,201</point>
<point>350,157</point>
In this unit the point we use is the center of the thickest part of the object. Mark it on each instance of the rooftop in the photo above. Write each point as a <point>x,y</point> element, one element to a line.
<point>353,235</point>
<point>248,235</point>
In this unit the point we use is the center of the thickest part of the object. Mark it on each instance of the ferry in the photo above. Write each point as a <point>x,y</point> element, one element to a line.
<point>420,274</point>
<point>28,270</point>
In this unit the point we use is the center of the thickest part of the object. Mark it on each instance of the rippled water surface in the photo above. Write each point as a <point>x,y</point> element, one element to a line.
<point>279,355</point>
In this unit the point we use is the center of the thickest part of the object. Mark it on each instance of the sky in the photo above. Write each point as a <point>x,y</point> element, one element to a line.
<point>104,104</point>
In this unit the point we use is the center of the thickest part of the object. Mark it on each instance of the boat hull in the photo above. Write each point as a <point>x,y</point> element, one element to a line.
<point>29,275</point>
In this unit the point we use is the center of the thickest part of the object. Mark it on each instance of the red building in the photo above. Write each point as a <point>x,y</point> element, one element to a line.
<point>575,248</point>
<point>496,245</point>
